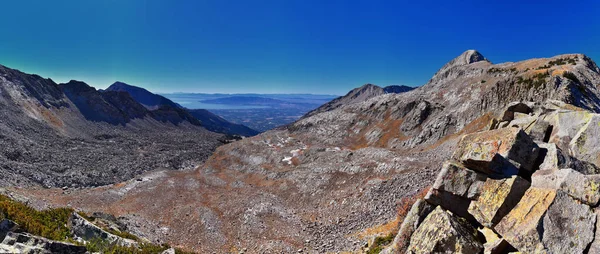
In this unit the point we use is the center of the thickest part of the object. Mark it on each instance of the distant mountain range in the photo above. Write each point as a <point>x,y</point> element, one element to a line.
<point>165,109</point>
<point>260,112</point>
<point>245,100</point>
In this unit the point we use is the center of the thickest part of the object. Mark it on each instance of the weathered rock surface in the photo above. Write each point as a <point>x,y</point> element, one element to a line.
<point>418,212</point>
<point>497,199</point>
<point>585,145</point>
<point>585,188</point>
<point>521,226</point>
<point>566,125</point>
<point>455,187</point>
<point>555,158</point>
<point>26,243</point>
<point>87,231</point>
<point>568,225</point>
<point>443,232</point>
<point>497,152</point>
<point>459,180</point>
<point>595,246</point>
<point>548,221</point>
<point>493,243</point>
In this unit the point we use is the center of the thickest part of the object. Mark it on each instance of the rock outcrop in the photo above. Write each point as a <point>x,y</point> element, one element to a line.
<point>84,230</point>
<point>27,243</point>
<point>443,232</point>
<point>551,210</point>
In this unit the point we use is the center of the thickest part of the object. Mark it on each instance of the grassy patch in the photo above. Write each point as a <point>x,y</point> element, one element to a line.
<point>51,223</point>
<point>380,243</point>
<point>535,81</point>
<point>558,62</point>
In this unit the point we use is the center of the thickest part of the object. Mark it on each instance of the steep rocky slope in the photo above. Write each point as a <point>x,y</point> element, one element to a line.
<point>73,135</point>
<point>359,94</point>
<point>332,180</point>
<point>143,96</point>
<point>216,123</point>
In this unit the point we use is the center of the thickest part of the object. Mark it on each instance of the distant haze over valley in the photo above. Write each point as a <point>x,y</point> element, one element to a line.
<point>261,112</point>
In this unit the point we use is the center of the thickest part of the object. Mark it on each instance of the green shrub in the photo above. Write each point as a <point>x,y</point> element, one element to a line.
<point>571,76</point>
<point>51,223</point>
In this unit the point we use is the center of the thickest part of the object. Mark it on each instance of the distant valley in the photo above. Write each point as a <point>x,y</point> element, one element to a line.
<point>260,112</point>
<point>263,112</point>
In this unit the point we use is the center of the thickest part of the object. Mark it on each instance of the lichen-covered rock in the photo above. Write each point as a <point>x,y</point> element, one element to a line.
<point>493,243</point>
<point>566,124</point>
<point>456,204</point>
<point>568,225</point>
<point>548,221</point>
<point>455,187</point>
<point>585,188</point>
<point>87,231</point>
<point>458,180</point>
<point>555,158</point>
<point>26,243</point>
<point>418,212</point>
<point>443,232</point>
<point>520,227</point>
<point>497,199</point>
<point>540,130</point>
<point>497,152</point>
<point>595,246</point>
<point>585,145</point>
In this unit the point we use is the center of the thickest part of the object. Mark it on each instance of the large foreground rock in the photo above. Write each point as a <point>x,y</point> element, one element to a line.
<point>585,188</point>
<point>586,144</point>
<point>455,187</point>
<point>555,158</point>
<point>459,180</point>
<point>548,221</point>
<point>443,232</point>
<point>566,125</point>
<point>26,243</point>
<point>500,152</point>
<point>418,212</point>
<point>595,246</point>
<point>497,199</point>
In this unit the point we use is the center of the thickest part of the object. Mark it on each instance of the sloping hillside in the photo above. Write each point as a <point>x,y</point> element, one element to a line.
<point>73,135</point>
<point>164,109</point>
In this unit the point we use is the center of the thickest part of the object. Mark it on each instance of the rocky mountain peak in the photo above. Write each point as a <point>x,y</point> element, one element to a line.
<point>470,56</point>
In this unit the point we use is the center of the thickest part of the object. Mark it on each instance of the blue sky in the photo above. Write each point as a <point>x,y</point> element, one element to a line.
<point>283,46</point>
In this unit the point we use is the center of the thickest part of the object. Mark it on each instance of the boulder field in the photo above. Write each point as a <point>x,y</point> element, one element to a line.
<point>528,184</point>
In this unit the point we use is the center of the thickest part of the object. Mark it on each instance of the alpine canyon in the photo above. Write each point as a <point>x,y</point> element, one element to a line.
<point>483,158</point>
